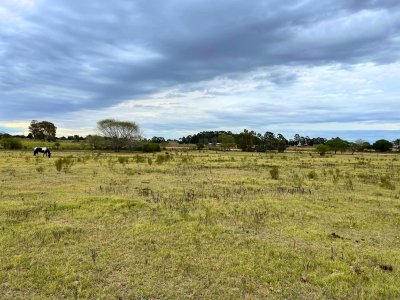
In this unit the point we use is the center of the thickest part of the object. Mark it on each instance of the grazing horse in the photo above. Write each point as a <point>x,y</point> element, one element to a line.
<point>44,150</point>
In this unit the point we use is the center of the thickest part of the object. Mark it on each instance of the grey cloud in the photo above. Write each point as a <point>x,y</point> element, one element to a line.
<point>119,50</point>
<point>269,114</point>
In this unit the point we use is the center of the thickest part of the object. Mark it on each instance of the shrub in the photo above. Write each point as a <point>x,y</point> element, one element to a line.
<point>274,172</point>
<point>151,147</point>
<point>59,164</point>
<point>140,159</point>
<point>123,160</point>
<point>322,149</point>
<point>11,143</point>
<point>161,158</point>
<point>40,169</point>
<point>386,183</point>
<point>63,164</point>
<point>200,146</point>
<point>312,175</point>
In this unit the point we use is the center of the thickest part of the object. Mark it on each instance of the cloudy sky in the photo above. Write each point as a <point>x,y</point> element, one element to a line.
<point>176,67</point>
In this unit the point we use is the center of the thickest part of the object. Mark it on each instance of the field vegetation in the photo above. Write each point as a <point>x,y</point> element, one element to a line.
<point>199,225</point>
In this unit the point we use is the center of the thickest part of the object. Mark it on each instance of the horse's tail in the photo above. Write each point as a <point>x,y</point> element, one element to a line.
<point>49,153</point>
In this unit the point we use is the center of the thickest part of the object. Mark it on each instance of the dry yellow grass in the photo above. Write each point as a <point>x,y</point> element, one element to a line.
<point>201,225</point>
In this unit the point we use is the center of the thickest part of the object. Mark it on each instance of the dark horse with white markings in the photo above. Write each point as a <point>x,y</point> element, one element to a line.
<point>44,150</point>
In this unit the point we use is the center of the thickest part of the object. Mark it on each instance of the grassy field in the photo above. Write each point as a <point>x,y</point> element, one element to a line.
<point>199,225</point>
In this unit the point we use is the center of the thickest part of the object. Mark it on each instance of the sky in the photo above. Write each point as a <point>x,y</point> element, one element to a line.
<point>176,67</point>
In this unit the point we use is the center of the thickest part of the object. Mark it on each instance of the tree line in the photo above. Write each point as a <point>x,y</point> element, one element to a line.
<point>253,138</point>
<point>125,135</point>
<point>251,141</point>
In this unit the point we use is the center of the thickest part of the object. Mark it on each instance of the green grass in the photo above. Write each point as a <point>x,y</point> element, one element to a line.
<point>201,225</point>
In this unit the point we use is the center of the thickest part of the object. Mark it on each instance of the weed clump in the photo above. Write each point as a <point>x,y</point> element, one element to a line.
<point>386,183</point>
<point>40,169</point>
<point>312,175</point>
<point>161,158</point>
<point>274,172</point>
<point>349,184</point>
<point>140,159</point>
<point>123,160</point>
<point>63,164</point>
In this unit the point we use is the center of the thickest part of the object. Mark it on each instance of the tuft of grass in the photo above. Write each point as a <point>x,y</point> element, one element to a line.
<point>161,158</point>
<point>123,160</point>
<point>274,172</point>
<point>40,169</point>
<point>312,175</point>
<point>386,183</point>
<point>63,164</point>
<point>140,159</point>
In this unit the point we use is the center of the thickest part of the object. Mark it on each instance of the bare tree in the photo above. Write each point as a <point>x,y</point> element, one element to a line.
<point>121,134</point>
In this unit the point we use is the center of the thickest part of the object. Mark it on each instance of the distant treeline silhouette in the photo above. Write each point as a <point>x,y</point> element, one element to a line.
<point>252,141</point>
<point>247,140</point>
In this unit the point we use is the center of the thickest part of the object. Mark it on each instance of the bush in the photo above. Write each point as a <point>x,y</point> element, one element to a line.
<point>322,149</point>
<point>161,158</point>
<point>59,164</point>
<point>63,164</point>
<point>140,159</point>
<point>151,147</point>
<point>123,160</point>
<point>386,183</point>
<point>312,175</point>
<point>274,172</point>
<point>11,143</point>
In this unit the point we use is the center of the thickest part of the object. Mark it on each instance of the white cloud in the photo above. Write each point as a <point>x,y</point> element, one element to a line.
<point>21,4</point>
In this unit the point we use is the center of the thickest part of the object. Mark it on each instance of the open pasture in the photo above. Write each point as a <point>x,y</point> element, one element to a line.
<point>199,225</point>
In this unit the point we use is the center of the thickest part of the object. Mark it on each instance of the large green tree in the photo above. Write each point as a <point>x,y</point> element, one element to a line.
<point>337,144</point>
<point>43,130</point>
<point>382,145</point>
<point>227,141</point>
<point>282,142</point>
<point>247,140</point>
<point>121,134</point>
